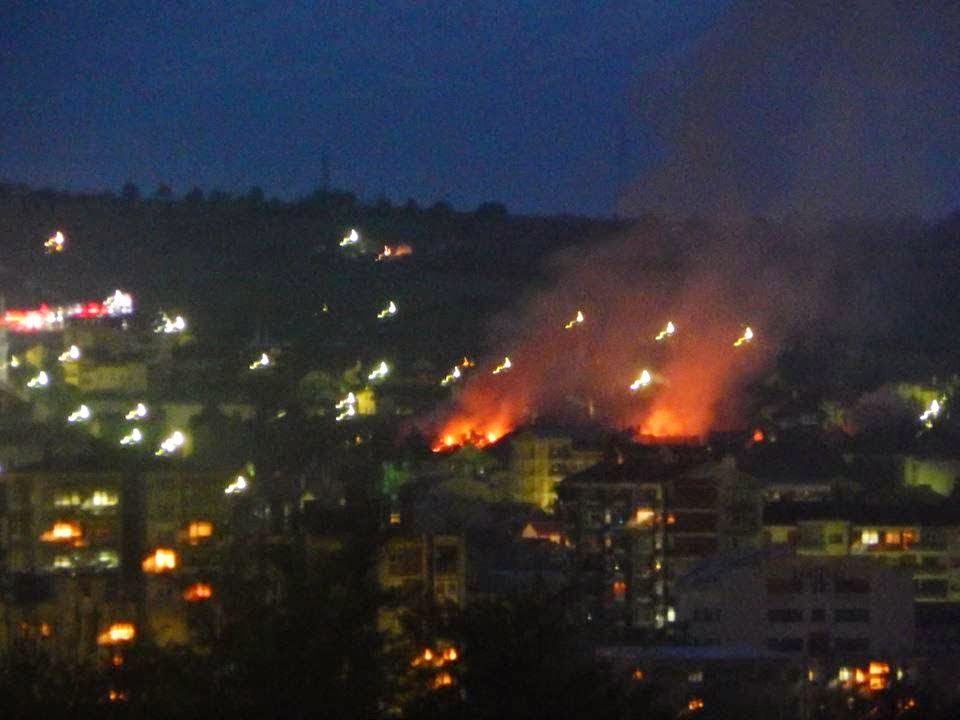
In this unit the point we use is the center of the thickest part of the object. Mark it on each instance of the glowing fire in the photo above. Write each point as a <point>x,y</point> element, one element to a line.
<point>460,432</point>
<point>663,422</point>
<point>393,252</point>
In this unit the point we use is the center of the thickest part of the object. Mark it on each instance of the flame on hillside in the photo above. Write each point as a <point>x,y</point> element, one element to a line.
<point>693,384</point>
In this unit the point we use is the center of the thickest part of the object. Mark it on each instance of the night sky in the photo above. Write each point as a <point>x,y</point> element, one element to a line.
<point>525,103</point>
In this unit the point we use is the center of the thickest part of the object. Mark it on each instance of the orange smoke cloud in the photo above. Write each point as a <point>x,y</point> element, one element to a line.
<point>709,285</point>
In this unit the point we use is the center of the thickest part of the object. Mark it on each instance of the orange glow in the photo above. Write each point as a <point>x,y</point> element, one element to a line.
<point>199,530</point>
<point>459,432</point>
<point>116,660</point>
<point>450,655</point>
<point>443,679</point>
<point>619,589</point>
<point>758,435</point>
<point>198,592</point>
<point>162,560</point>
<point>638,674</point>
<point>695,704</point>
<point>644,515</point>
<point>427,655</point>
<point>121,632</point>
<point>663,423</point>
<point>392,252</point>
<point>116,696</point>
<point>62,532</point>
<point>878,668</point>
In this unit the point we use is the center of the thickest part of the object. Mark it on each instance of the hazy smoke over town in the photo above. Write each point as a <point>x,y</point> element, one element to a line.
<point>826,109</point>
<point>805,111</point>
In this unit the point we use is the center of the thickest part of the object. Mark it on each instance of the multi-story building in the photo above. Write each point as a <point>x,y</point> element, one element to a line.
<point>426,571</point>
<point>58,521</point>
<point>839,610</point>
<point>922,541</point>
<point>637,522</point>
<point>539,459</point>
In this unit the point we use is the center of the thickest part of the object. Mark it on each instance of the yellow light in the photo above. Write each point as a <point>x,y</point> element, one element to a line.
<point>668,330</point>
<point>450,655</point>
<point>62,532</point>
<point>162,560</point>
<point>352,238</point>
<point>427,655</point>
<point>172,443</point>
<point>577,320</point>
<point>117,633</point>
<point>644,515</point>
<point>81,414</point>
<point>503,367</point>
<point>133,438</point>
<point>199,530</point>
<point>238,485</point>
<point>644,380</point>
<point>71,354</point>
<point>389,311</point>
<point>56,243</point>
<point>198,592</point>
<point>745,338</point>
<point>41,379</point>
<point>380,372</point>
<point>443,679</point>
<point>263,361</point>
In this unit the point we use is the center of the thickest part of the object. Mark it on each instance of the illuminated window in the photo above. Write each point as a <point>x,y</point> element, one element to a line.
<point>619,589</point>
<point>162,560</point>
<point>869,537</point>
<point>891,538</point>
<point>63,532</point>
<point>108,559</point>
<point>66,499</point>
<point>909,538</point>
<point>671,615</point>
<point>62,562</point>
<point>119,632</point>
<point>103,498</point>
<point>199,530</point>
<point>198,592</point>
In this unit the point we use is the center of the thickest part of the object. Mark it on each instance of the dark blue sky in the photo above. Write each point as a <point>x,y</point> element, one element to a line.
<point>522,102</point>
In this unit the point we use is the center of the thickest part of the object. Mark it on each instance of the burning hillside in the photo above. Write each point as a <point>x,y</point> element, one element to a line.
<point>652,333</point>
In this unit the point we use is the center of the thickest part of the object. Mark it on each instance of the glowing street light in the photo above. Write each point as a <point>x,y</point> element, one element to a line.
<point>55,244</point>
<point>577,320</point>
<point>380,372</point>
<point>389,311</point>
<point>138,413</point>
<point>352,238</point>
<point>263,361</point>
<point>168,326</point>
<point>238,485</point>
<point>134,437</point>
<point>71,354</point>
<point>41,379</point>
<point>171,444</point>
<point>745,338</point>
<point>81,414</point>
<point>502,367</point>
<point>668,331</point>
<point>643,380</point>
